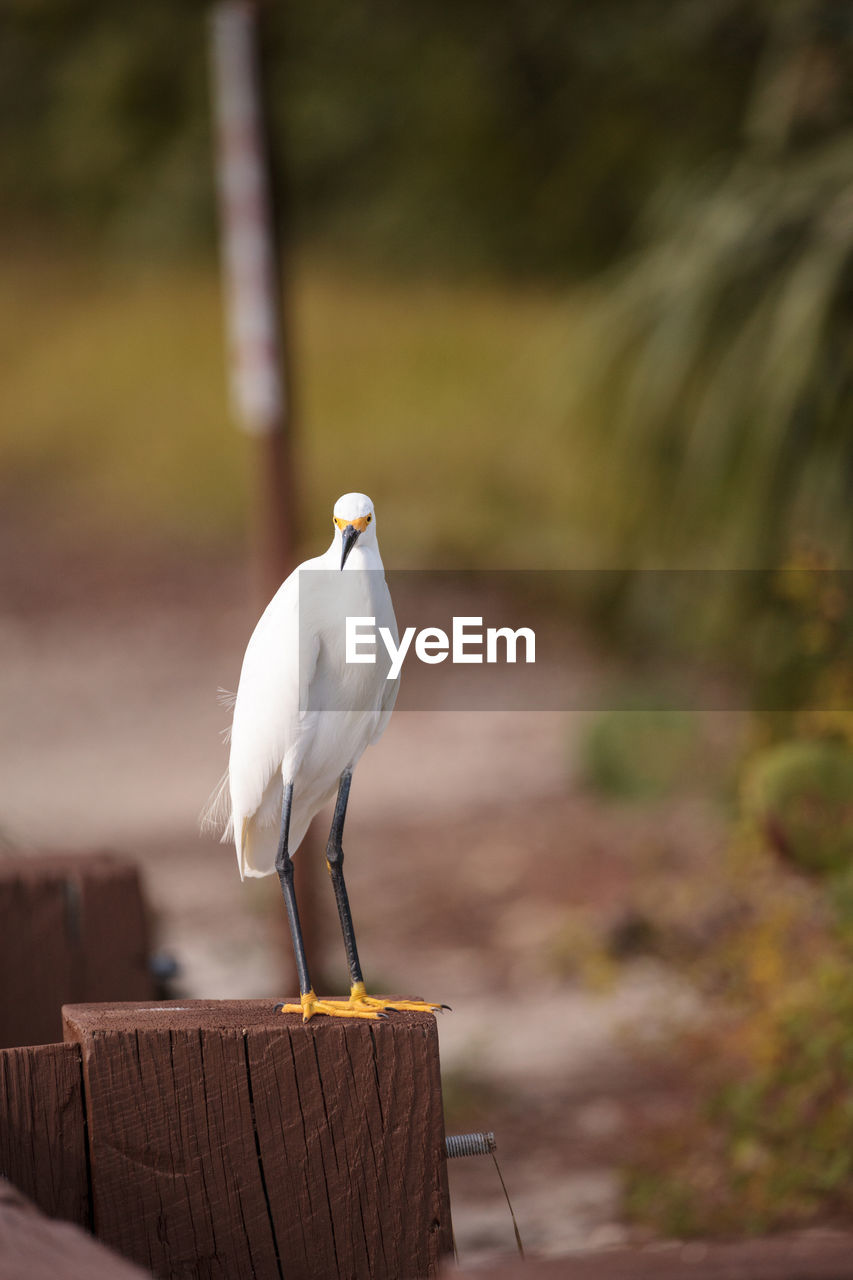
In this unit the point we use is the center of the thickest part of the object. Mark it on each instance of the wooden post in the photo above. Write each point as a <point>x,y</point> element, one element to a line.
<point>42,1129</point>
<point>251,259</point>
<point>74,928</point>
<point>34,1248</point>
<point>228,1140</point>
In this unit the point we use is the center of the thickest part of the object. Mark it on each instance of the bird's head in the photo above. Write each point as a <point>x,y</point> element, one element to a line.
<point>355,520</point>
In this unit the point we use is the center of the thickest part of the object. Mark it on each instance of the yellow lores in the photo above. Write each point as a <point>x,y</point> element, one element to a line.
<point>360,524</point>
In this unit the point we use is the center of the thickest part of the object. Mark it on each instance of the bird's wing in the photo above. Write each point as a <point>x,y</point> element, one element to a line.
<point>268,729</point>
<point>385,618</point>
<point>388,700</point>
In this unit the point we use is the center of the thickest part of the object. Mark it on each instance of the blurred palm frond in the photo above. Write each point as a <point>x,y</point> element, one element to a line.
<point>718,371</point>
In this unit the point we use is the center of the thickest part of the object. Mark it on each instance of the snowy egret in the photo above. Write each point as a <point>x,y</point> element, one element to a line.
<point>303,716</point>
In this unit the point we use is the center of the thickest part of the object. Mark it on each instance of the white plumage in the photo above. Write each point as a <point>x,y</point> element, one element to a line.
<point>302,713</point>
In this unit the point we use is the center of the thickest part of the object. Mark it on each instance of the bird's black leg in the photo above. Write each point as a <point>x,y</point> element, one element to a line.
<point>335,863</point>
<point>284,867</point>
<point>360,1004</point>
<point>309,1004</point>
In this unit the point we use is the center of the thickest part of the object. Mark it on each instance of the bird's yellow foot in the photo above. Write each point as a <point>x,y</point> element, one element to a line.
<point>309,1004</point>
<point>358,1005</point>
<point>360,1000</point>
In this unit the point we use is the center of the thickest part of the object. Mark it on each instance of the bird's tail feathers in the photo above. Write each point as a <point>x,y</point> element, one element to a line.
<point>216,815</point>
<point>228,700</point>
<point>257,848</point>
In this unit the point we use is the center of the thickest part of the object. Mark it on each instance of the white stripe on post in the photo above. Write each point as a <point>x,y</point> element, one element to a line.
<point>248,247</point>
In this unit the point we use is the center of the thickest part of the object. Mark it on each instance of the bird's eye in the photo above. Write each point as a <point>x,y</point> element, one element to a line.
<point>369,518</point>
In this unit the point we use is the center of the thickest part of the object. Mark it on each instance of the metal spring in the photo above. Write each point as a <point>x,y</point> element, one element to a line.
<point>470,1144</point>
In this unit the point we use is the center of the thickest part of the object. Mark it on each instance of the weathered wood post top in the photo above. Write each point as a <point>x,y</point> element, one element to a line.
<point>228,1140</point>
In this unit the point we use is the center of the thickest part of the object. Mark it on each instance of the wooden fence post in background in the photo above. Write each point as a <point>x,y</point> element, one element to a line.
<point>258,358</point>
<point>229,1140</point>
<point>74,928</point>
<point>251,265</point>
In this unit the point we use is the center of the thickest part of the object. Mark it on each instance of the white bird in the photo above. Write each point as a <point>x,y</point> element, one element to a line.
<point>303,716</point>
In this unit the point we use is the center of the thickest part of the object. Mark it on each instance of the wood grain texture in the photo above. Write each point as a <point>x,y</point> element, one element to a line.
<point>42,1128</point>
<point>74,928</point>
<point>351,1131</point>
<point>114,942</point>
<point>230,1141</point>
<point>35,950</point>
<point>34,1248</point>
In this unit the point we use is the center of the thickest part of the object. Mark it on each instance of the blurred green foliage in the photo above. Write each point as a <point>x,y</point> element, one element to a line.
<point>522,137</point>
<point>765,1120</point>
<point>782,1138</point>
<point>789,1124</point>
<point>801,795</point>
<point>718,364</point>
<point>689,407</point>
<point>638,754</point>
<point>105,132</point>
<point>800,637</point>
<point>470,1099</point>
<point>116,411</point>
<point>764,1131</point>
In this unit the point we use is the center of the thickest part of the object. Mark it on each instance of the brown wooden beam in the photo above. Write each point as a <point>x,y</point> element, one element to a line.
<point>32,1247</point>
<point>808,1255</point>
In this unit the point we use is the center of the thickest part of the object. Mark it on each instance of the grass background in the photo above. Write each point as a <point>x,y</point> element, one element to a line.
<point>430,396</point>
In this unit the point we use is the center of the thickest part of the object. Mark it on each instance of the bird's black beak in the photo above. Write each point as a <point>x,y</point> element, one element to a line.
<point>349,537</point>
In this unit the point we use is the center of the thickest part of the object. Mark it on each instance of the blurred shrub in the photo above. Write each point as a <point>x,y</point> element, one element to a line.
<point>717,373</point>
<point>765,1130</point>
<point>105,121</point>
<point>470,1099</point>
<point>801,794</point>
<point>764,1126</point>
<point>768,1142</point>
<point>511,138</point>
<point>577,951</point>
<point>638,755</point>
<point>840,895</point>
